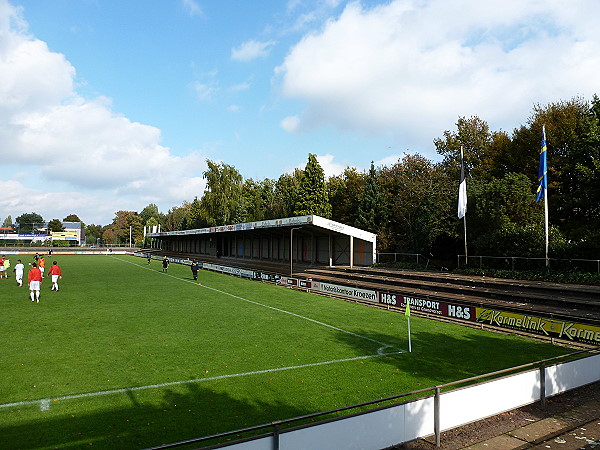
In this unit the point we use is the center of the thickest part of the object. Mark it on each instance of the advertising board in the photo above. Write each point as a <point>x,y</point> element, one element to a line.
<point>347,291</point>
<point>560,329</point>
<point>428,306</point>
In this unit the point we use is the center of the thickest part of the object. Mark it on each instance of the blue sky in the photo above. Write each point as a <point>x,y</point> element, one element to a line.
<point>112,105</point>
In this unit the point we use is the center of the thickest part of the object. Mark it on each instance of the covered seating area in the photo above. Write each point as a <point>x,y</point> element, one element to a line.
<point>311,240</point>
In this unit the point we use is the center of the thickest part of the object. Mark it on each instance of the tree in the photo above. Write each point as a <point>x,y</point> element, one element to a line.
<point>176,217</point>
<point>312,192</point>
<point>109,236</point>
<point>258,199</point>
<point>345,192</point>
<point>504,218</point>
<point>148,212</point>
<point>418,196</point>
<point>29,222</point>
<point>267,193</point>
<point>286,194</point>
<point>573,142</point>
<point>93,233</point>
<point>7,222</point>
<point>223,193</point>
<point>194,215</point>
<point>124,223</point>
<point>72,218</point>
<point>371,209</point>
<point>55,225</point>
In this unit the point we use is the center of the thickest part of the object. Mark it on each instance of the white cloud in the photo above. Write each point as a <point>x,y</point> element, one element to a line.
<point>62,153</point>
<point>388,161</point>
<point>192,8</point>
<point>204,91</point>
<point>290,124</point>
<point>330,167</point>
<point>409,69</point>
<point>240,87</point>
<point>250,50</point>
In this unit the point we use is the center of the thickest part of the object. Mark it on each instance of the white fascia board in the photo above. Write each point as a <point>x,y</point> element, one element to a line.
<point>343,229</point>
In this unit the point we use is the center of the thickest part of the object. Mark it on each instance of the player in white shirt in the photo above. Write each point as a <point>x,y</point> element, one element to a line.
<point>19,269</point>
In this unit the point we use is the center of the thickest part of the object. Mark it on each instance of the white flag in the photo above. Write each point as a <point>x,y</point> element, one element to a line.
<point>462,189</point>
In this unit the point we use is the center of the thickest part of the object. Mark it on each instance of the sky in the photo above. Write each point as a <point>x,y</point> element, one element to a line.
<point>113,105</point>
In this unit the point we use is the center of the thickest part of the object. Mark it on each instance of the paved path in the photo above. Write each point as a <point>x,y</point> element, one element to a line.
<point>571,429</point>
<point>570,421</point>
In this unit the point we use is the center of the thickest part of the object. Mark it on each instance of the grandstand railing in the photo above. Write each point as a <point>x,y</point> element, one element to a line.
<point>523,263</point>
<point>397,422</point>
<point>415,258</point>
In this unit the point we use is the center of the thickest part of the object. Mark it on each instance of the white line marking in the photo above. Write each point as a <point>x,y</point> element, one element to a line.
<point>46,402</point>
<point>383,344</point>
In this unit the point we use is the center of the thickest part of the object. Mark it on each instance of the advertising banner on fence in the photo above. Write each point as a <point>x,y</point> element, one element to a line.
<point>230,270</point>
<point>346,291</point>
<point>434,307</point>
<point>556,328</point>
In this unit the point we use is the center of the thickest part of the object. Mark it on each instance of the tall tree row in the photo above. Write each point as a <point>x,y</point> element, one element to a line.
<point>411,205</point>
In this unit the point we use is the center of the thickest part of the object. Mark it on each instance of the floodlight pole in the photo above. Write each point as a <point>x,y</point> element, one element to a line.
<point>292,250</point>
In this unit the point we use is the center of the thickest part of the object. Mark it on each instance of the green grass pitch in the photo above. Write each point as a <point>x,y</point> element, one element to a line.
<point>126,356</point>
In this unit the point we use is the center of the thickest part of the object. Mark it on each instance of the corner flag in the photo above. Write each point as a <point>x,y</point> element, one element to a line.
<point>462,189</point>
<point>407,309</point>
<point>543,170</point>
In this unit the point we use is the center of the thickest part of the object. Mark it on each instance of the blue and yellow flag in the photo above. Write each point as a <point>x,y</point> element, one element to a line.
<point>543,170</point>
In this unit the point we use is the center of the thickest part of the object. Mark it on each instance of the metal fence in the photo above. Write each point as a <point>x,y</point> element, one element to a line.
<point>273,431</point>
<point>411,258</point>
<point>522,263</point>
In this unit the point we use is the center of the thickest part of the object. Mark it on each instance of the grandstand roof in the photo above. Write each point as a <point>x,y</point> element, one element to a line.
<point>309,221</point>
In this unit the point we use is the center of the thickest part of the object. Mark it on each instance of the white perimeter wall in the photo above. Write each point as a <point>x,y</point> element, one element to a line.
<point>410,421</point>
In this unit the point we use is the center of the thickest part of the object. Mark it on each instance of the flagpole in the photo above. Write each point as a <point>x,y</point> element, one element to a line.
<point>543,187</point>
<point>546,224</point>
<point>409,343</point>
<point>462,200</point>
<point>407,314</point>
<point>466,254</point>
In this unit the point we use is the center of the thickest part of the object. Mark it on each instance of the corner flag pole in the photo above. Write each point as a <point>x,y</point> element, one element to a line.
<point>407,314</point>
<point>542,190</point>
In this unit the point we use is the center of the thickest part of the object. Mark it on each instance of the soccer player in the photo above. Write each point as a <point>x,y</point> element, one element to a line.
<point>34,278</point>
<point>3,267</point>
<point>165,264</point>
<point>6,266</point>
<point>194,268</point>
<point>56,274</point>
<point>42,265</point>
<point>19,269</point>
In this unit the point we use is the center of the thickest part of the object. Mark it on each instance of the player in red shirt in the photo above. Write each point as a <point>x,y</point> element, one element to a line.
<point>56,274</point>
<point>34,278</point>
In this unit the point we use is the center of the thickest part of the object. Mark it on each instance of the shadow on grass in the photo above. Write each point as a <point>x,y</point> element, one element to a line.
<point>180,416</point>
<point>442,357</point>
